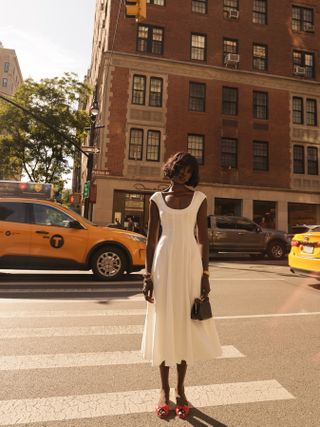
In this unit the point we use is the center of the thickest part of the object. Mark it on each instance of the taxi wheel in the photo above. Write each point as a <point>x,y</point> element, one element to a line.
<point>108,263</point>
<point>276,250</point>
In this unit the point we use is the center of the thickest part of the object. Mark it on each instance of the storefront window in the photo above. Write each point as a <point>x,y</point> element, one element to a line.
<point>264,213</point>
<point>302,213</point>
<point>227,207</point>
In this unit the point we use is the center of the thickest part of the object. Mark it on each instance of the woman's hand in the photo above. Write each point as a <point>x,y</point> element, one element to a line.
<point>148,290</point>
<point>205,286</point>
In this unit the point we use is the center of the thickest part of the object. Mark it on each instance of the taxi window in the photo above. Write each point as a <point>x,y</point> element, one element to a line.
<point>47,215</point>
<point>12,212</point>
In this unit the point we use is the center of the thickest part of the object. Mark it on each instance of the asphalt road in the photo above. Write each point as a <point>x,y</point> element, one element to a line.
<point>69,351</point>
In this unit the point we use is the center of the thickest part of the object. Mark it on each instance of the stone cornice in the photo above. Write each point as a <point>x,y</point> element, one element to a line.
<point>210,72</point>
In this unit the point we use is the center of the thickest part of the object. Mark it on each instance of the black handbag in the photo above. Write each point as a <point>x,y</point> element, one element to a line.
<point>201,309</point>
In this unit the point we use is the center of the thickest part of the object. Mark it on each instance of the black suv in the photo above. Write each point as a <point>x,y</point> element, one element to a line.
<point>239,234</point>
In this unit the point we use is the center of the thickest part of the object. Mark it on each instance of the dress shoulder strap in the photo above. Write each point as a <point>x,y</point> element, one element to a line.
<point>155,197</point>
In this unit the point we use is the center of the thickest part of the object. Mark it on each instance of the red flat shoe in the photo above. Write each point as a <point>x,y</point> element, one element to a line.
<point>162,411</point>
<point>182,411</point>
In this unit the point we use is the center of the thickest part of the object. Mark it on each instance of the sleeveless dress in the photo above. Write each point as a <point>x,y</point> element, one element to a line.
<point>170,335</point>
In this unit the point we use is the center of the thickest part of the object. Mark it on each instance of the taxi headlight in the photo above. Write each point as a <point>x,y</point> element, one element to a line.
<point>141,239</point>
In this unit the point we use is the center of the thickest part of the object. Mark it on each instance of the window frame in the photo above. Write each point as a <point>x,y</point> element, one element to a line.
<point>6,67</point>
<point>257,157</point>
<point>258,13</point>
<point>136,90</point>
<point>141,131</point>
<point>151,92</point>
<point>199,84</point>
<point>227,8</point>
<point>189,150</point>
<point>297,111</point>
<point>195,3</point>
<point>198,49</point>
<point>314,113</point>
<point>149,40</point>
<point>257,107</point>
<point>155,4</point>
<point>226,52</point>
<point>226,104</point>
<point>310,70</point>
<point>4,82</point>
<point>298,161</point>
<point>158,132</point>
<point>264,60</point>
<point>302,21</point>
<point>312,164</point>
<point>226,155</point>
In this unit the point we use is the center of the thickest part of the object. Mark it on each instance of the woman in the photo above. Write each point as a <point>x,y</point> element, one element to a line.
<point>176,274</point>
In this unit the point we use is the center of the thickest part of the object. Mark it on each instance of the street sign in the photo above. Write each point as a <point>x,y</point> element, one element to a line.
<point>90,149</point>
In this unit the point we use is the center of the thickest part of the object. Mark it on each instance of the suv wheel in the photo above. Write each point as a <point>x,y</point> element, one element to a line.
<point>276,250</point>
<point>108,263</point>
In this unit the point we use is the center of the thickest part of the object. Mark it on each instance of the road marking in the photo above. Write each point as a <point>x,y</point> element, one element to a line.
<point>20,300</point>
<point>76,360</point>
<point>35,284</point>
<point>64,291</point>
<point>257,316</point>
<point>61,408</point>
<point>70,331</point>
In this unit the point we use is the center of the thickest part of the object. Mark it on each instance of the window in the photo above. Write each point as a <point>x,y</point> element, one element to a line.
<point>297,110</point>
<point>4,82</point>
<point>136,144</point>
<point>153,145</point>
<point>197,96</point>
<point>229,46</point>
<point>155,94</point>
<point>230,100</point>
<point>312,160</point>
<point>259,12</point>
<point>196,147</point>
<point>157,2</point>
<point>198,47</point>
<point>306,60</point>
<point>298,159</point>
<point>6,67</point>
<point>260,105</point>
<point>260,156</point>
<point>229,5</point>
<point>200,6</point>
<point>229,153</point>
<point>260,57</point>
<point>150,39</point>
<point>13,212</point>
<point>47,215</point>
<point>302,19</point>
<point>311,111</point>
<point>138,90</point>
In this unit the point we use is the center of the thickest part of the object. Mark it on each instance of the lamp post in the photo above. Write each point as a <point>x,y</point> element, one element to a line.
<point>94,111</point>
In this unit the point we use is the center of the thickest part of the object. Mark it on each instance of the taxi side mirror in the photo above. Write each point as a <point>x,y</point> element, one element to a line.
<point>75,224</point>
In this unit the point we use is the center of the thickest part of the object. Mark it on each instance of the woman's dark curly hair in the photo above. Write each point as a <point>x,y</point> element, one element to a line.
<point>179,161</point>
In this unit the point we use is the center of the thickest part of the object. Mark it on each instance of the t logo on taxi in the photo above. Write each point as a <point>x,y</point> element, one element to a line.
<point>56,241</point>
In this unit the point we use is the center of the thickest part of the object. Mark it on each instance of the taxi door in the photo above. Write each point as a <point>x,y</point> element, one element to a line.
<point>53,241</point>
<point>14,230</point>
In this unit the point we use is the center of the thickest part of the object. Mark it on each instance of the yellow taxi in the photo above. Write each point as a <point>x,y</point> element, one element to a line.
<point>304,256</point>
<point>40,234</point>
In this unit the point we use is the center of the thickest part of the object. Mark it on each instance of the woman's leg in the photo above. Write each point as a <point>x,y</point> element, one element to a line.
<point>181,373</point>
<point>165,388</point>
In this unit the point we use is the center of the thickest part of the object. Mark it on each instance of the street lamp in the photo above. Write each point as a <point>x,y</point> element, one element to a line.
<point>94,111</point>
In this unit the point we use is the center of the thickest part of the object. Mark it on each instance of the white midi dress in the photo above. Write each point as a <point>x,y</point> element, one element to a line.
<point>170,335</point>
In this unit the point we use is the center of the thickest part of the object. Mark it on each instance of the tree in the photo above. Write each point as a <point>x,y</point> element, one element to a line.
<point>29,146</point>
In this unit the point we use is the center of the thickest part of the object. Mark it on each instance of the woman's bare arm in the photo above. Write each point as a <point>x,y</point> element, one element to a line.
<point>152,240</point>
<point>204,245</point>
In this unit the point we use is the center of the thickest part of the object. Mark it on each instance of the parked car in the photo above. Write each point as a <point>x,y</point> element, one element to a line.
<point>304,256</point>
<point>39,234</point>
<point>240,234</point>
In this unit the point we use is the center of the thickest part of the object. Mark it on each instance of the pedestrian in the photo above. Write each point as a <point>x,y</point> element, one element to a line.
<point>177,273</point>
<point>130,226</point>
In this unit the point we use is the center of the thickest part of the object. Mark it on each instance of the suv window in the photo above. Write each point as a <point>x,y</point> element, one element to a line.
<point>245,224</point>
<point>226,223</point>
<point>47,215</point>
<point>13,212</point>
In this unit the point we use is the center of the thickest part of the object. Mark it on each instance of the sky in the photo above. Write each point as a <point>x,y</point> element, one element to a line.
<point>50,37</point>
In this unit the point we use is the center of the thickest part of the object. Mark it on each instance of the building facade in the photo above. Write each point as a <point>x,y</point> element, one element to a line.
<point>234,82</point>
<point>10,73</point>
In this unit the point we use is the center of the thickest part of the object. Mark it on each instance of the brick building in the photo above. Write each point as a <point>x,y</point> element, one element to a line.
<point>10,74</point>
<point>234,82</point>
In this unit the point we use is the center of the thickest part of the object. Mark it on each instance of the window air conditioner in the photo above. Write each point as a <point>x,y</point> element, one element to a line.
<point>234,14</point>
<point>232,58</point>
<point>299,71</point>
<point>307,26</point>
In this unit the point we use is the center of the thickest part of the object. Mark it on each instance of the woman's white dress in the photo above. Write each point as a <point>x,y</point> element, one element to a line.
<point>170,334</point>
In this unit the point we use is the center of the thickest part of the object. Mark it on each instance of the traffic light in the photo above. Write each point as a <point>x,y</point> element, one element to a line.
<point>136,9</point>
<point>86,189</point>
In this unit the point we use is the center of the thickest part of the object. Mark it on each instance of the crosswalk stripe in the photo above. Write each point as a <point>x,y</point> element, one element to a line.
<point>65,300</point>
<point>60,408</point>
<point>75,360</point>
<point>71,291</point>
<point>71,313</point>
<point>70,331</point>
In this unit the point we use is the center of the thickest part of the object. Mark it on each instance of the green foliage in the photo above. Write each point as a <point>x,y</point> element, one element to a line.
<point>29,146</point>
